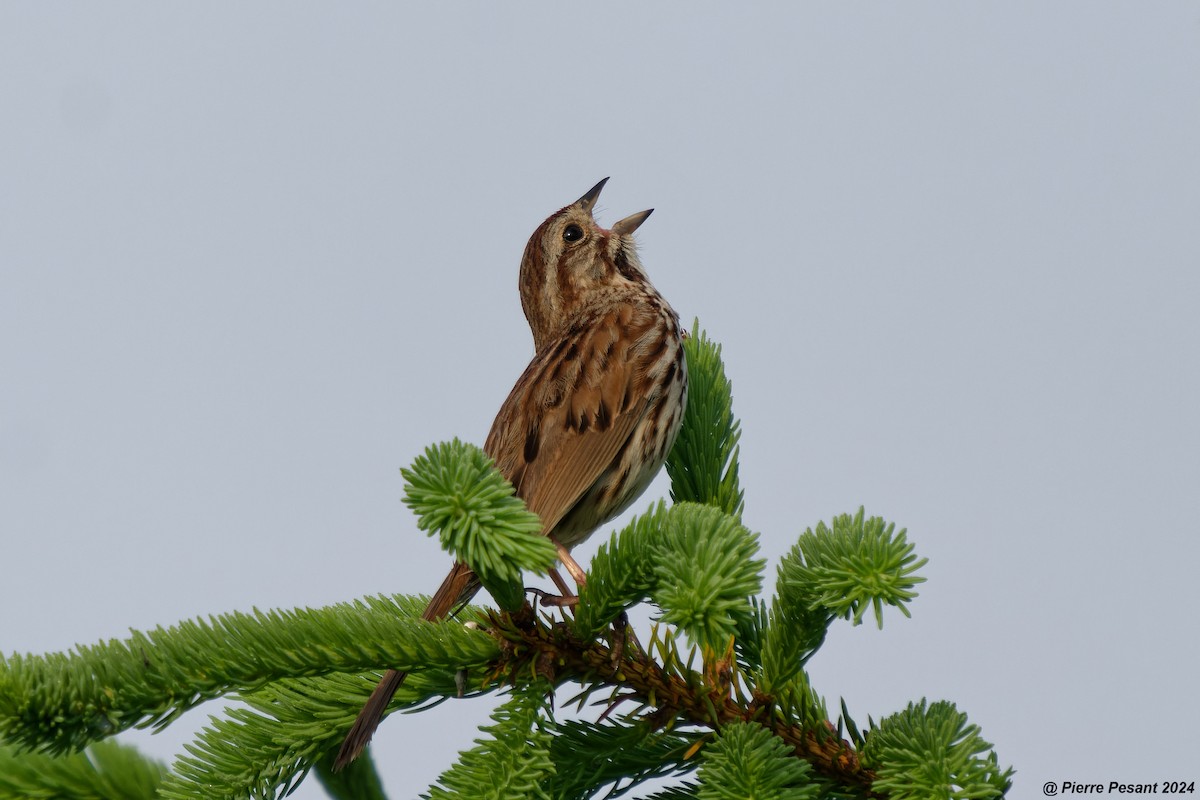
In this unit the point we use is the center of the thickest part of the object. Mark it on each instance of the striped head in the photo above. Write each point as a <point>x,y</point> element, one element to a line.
<point>573,267</point>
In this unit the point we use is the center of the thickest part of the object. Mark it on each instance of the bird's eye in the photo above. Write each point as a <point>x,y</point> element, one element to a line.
<point>572,233</point>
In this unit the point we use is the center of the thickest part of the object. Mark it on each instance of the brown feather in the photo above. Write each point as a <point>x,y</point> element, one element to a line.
<point>583,431</point>
<point>580,430</point>
<point>456,590</point>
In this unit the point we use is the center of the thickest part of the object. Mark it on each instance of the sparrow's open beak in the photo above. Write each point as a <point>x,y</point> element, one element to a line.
<point>589,199</point>
<point>631,223</point>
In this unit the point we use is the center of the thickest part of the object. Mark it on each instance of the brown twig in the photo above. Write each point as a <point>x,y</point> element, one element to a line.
<point>555,653</point>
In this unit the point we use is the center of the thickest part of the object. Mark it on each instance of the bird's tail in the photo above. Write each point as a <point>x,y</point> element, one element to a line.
<point>457,589</point>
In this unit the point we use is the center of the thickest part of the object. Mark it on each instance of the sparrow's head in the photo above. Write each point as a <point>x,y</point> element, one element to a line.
<point>571,265</point>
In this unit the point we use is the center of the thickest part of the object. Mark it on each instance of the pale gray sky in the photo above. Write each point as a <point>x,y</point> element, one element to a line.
<point>254,258</point>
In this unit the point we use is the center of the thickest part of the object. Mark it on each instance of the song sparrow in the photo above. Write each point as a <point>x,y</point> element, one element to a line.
<point>591,420</point>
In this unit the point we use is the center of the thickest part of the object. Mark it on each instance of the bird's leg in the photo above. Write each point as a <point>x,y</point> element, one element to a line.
<point>571,565</point>
<point>543,596</point>
<point>563,589</point>
<point>566,599</point>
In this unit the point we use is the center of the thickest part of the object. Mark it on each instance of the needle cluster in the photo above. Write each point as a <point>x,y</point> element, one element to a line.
<point>713,702</point>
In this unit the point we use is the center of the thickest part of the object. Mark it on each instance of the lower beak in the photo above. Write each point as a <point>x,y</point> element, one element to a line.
<point>631,223</point>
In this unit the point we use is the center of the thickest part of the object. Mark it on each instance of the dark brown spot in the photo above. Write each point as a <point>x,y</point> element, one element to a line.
<point>581,376</point>
<point>583,422</point>
<point>572,352</point>
<point>603,417</point>
<point>670,376</point>
<point>660,345</point>
<point>553,362</point>
<point>531,444</point>
<point>620,455</point>
<point>650,424</point>
<point>517,477</point>
<point>625,267</point>
<point>606,263</point>
<point>558,348</point>
<point>622,481</point>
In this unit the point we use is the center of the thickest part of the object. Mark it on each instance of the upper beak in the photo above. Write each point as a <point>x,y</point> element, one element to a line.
<point>589,199</point>
<point>631,223</point>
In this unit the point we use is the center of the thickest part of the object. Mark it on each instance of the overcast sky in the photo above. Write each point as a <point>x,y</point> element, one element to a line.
<point>253,259</point>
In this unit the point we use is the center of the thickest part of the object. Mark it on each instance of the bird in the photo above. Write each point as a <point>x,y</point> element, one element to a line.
<point>592,418</point>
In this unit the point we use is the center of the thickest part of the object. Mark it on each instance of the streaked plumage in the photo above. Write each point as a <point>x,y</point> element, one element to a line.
<point>591,420</point>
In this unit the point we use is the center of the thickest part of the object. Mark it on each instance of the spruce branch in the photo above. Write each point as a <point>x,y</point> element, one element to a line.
<point>703,463</point>
<point>695,561</point>
<point>734,707</point>
<point>61,702</point>
<point>457,493</point>
<point>673,693</point>
<point>685,791</point>
<point>513,761</point>
<point>621,574</point>
<point>266,749</point>
<point>621,753</point>
<point>832,572</point>
<point>289,728</point>
<point>705,571</point>
<point>748,761</point>
<point>357,781</point>
<point>842,571</point>
<point>748,638</point>
<point>771,652</point>
<point>932,751</point>
<point>106,771</point>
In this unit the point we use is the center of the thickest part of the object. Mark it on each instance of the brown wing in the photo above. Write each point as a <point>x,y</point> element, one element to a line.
<point>573,409</point>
